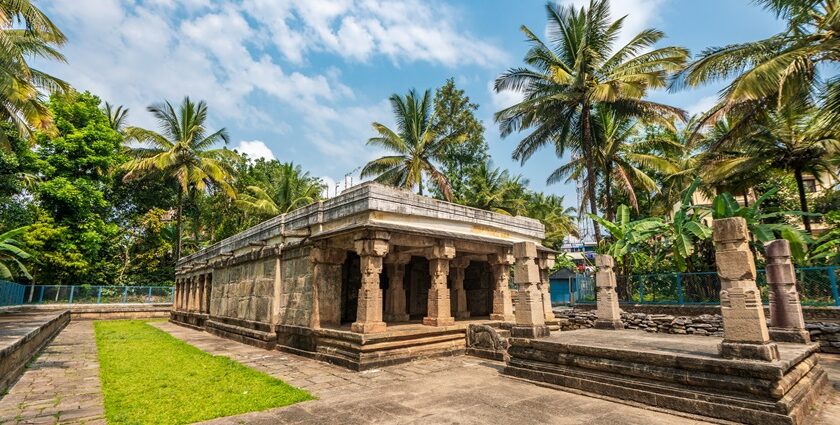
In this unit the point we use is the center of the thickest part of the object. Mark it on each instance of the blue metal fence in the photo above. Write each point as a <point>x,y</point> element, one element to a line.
<point>818,286</point>
<point>83,294</point>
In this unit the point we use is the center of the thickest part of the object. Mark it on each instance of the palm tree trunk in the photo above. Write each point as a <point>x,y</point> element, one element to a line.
<point>591,188</point>
<point>178,225</point>
<point>608,194</point>
<point>746,201</point>
<point>803,201</point>
<point>420,186</point>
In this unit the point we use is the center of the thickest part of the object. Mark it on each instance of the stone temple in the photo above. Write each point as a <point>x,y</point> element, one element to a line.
<point>371,277</point>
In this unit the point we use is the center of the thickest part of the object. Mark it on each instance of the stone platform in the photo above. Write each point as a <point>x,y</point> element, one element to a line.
<point>22,335</point>
<point>401,342</point>
<point>676,372</point>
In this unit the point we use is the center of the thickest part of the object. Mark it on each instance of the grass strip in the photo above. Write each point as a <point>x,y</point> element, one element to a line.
<point>151,377</point>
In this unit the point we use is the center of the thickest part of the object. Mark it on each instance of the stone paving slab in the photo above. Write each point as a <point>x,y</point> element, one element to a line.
<point>450,390</point>
<point>14,325</point>
<point>61,385</point>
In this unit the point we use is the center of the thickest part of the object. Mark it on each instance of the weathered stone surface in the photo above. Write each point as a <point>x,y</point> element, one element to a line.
<point>530,315</point>
<point>786,321</point>
<point>502,302</point>
<point>22,335</point>
<point>487,342</point>
<point>608,312</point>
<point>740,301</point>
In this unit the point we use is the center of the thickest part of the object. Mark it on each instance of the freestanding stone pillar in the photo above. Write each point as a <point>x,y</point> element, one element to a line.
<point>786,321</point>
<point>371,249</point>
<point>546,263</point>
<point>395,308</point>
<point>609,315</point>
<point>502,303</point>
<point>530,314</point>
<point>439,312</point>
<point>176,294</point>
<point>193,291</point>
<point>744,328</point>
<point>459,295</point>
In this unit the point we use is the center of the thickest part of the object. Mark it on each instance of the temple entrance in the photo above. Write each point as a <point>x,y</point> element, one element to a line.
<point>417,290</point>
<point>351,281</point>
<point>478,283</point>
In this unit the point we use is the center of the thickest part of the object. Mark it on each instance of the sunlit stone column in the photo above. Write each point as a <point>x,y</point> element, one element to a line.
<point>371,248</point>
<point>202,279</point>
<point>395,308</point>
<point>502,303</point>
<point>546,263</point>
<point>786,321</point>
<point>609,315</point>
<point>208,286</point>
<point>530,315</point>
<point>745,332</point>
<point>175,299</point>
<point>459,295</point>
<point>439,311</point>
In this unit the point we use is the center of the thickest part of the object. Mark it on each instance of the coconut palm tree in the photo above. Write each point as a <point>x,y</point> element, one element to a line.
<point>774,71</point>
<point>494,189</point>
<point>26,32</point>
<point>417,149</point>
<point>182,150</point>
<point>12,255</point>
<point>576,70</point>
<point>116,116</point>
<point>295,188</point>
<point>788,139</point>
<point>559,221</point>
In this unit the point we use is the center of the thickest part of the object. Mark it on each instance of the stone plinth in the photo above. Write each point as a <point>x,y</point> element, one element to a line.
<point>676,372</point>
<point>609,315</point>
<point>744,327</point>
<point>530,315</point>
<point>786,321</point>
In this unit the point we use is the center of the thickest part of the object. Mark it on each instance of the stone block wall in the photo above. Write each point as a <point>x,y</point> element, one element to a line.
<point>826,333</point>
<point>244,291</point>
<point>296,293</point>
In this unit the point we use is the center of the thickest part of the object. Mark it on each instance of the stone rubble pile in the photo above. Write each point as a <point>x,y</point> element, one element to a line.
<point>826,333</point>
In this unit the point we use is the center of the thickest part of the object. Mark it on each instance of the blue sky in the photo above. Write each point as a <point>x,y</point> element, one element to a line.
<point>301,80</point>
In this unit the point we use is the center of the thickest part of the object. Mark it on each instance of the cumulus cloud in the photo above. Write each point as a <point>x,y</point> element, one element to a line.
<point>702,105</point>
<point>255,149</point>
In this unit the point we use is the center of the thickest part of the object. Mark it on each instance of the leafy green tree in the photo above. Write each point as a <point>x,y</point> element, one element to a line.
<point>26,32</point>
<point>578,70</point>
<point>418,150</point>
<point>12,255</point>
<point>826,248</point>
<point>182,150</point>
<point>559,220</point>
<point>286,187</point>
<point>493,189</point>
<point>454,117</point>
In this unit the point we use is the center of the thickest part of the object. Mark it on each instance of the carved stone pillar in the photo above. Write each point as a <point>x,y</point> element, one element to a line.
<point>326,278</point>
<point>208,286</point>
<point>745,332</point>
<point>459,295</point>
<point>786,321</point>
<point>530,314</point>
<point>175,296</point>
<point>395,307</point>
<point>439,312</point>
<point>202,285</point>
<point>371,248</point>
<point>191,295</point>
<point>502,303</point>
<point>546,263</point>
<point>609,315</point>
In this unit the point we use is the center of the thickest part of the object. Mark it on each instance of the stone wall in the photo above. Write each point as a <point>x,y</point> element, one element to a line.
<point>296,294</point>
<point>244,290</point>
<point>826,333</point>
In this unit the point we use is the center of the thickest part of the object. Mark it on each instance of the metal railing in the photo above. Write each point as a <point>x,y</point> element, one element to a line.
<point>83,294</point>
<point>817,286</point>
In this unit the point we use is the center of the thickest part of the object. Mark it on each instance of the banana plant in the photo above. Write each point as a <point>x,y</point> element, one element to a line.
<point>628,236</point>
<point>725,206</point>
<point>686,229</point>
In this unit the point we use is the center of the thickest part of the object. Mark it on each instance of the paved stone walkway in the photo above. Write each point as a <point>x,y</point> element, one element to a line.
<point>452,390</point>
<point>61,385</point>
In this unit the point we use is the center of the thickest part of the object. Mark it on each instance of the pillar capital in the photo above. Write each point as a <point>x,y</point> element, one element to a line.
<point>372,244</point>
<point>503,257</point>
<point>460,263</point>
<point>443,250</point>
<point>546,261</point>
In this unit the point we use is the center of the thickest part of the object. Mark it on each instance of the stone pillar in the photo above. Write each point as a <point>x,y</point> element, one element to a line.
<point>195,295</point>
<point>609,315</point>
<point>208,288</point>
<point>175,300</point>
<point>745,332</point>
<point>326,278</point>
<point>439,312</point>
<point>395,307</point>
<point>202,282</point>
<point>502,303</point>
<point>786,321</point>
<point>371,248</point>
<point>546,263</point>
<point>459,295</point>
<point>530,314</point>
<point>189,295</point>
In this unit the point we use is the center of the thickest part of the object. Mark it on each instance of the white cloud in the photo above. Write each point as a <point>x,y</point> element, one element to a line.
<point>255,149</point>
<point>503,99</point>
<point>641,14</point>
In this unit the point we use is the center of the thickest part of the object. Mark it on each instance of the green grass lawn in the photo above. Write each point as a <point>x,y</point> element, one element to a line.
<point>151,377</point>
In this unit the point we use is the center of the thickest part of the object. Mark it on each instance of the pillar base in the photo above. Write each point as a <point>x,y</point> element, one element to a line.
<point>397,317</point>
<point>800,336</point>
<point>609,324</point>
<point>768,352</point>
<point>503,317</point>
<point>462,314</point>
<point>368,327</point>
<point>438,321</point>
<point>550,317</point>
<point>520,331</point>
